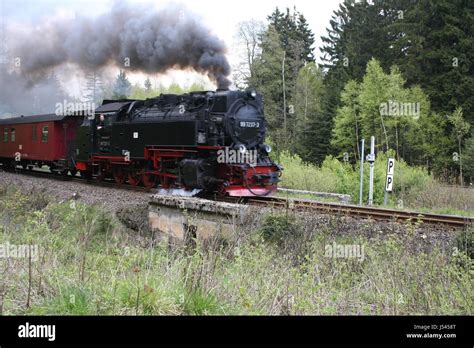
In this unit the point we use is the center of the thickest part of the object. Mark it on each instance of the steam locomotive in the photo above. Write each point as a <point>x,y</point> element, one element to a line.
<point>210,141</point>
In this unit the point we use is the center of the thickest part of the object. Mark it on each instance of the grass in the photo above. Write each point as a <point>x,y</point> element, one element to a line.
<point>276,265</point>
<point>414,188</point>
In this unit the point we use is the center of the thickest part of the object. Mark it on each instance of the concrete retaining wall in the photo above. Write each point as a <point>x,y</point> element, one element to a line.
<point>183,218</point>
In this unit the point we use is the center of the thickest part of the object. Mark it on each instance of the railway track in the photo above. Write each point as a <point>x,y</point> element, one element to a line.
<point>356,211</point>
<point>375,213</point>
<point>103,183</point>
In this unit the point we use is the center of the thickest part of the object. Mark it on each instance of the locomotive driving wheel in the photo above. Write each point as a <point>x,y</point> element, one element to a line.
<point>133,179</point>
<point>149,180</point>
<point>119,175</point>
<point>101,175</point>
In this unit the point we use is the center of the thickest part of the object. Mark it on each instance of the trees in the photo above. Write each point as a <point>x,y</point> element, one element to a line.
<point>296,40</point>
<point>285,48</point>
<point>438,52</point>
<point>267,79</point>
<point>122,86</point>
<point>248,36</point>
<point>346,131</point>
<point>308,138</point>
<point>390,68</point>
<point>431,43</point>
<point>460,130</point>
<point>468,158</point>
<point>398,116</point>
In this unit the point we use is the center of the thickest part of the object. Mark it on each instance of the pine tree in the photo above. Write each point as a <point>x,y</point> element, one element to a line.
<point>438,46</point>
<point>285,48</point>
<point>468,159</point>
<point>296,40</point>
<point>306,35</point>
<point>310,134</point>
<point>267,79</point>
<point>122,86</point>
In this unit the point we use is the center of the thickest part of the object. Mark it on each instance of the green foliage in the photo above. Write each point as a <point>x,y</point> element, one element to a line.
<point>468,159</point>
<point>293,31</point>
<point>279,73</point>
<point>339,177</point>
<point>70,301</point>
<point>126,275</point>
<point>267,79</point>
<point>298,174</point>
<point>431,45</point>
<point>122,86</point>
<point>311,133</point>
<point>278,228</point>
<point>346,132</point>
<point>200,303</point>
<point>438,52</point>
<point>465,242</point>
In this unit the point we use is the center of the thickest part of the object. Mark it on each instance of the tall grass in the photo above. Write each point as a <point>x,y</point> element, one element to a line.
<point>413,186</point>
<point>89,264</point>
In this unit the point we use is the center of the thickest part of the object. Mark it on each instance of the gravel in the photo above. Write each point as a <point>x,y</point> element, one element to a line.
<point>111,199</point>
<point>131,207</point>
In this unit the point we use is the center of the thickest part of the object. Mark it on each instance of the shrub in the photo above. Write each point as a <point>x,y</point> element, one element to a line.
<point>336,176</point>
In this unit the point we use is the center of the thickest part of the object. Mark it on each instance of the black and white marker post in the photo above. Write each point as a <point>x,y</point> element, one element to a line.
<point>389,180</point>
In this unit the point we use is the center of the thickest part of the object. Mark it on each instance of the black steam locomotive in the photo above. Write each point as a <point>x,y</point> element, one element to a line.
<point>212,141</point>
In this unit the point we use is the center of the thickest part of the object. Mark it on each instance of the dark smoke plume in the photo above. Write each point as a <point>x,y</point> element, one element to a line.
<point>152,42</point>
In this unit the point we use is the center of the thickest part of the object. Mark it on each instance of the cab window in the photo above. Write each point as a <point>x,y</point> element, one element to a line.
<point>44,134</point>
<point>109,120</point>
<point>5,135</point>
<point>13,135</point>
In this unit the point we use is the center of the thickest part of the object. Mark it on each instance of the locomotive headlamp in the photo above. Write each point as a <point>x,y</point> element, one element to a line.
<point>265,147</point>
<point>252,93</point>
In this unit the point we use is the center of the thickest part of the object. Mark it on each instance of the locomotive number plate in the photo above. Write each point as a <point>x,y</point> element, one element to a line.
<point>246,124</point>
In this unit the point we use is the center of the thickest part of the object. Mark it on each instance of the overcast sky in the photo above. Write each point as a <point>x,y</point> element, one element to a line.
<point>221,16</point>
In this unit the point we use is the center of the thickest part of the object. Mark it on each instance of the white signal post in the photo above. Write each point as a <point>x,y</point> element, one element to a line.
<point>389,180</point>
<point>371,160</point>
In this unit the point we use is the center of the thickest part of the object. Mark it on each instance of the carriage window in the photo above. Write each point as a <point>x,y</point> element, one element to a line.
<point>44,134</point>
<point>5,135</point>
<point>34,135</point>
<point>13,135</point>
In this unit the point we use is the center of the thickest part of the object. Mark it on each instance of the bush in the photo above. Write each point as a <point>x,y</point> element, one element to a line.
<point>339,177</point>
<point>285,272</point>
<point>303,176</point>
